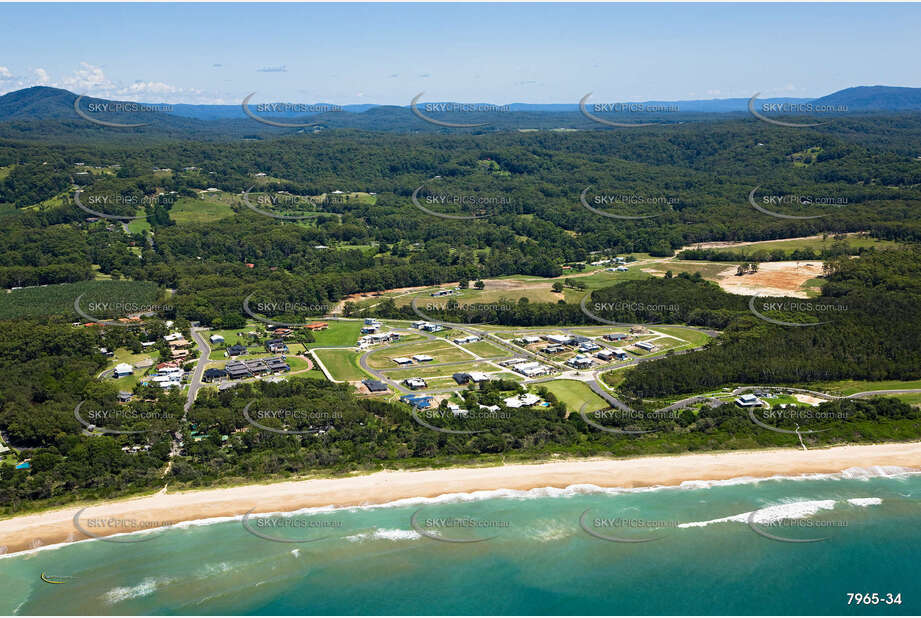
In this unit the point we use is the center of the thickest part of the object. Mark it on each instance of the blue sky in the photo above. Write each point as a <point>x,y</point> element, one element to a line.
<point>500,53</point>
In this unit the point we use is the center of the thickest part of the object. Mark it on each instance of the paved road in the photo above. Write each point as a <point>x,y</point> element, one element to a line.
<point>199,370</point>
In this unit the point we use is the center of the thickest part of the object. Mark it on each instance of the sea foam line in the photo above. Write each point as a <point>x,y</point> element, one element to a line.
<point>520,494</point>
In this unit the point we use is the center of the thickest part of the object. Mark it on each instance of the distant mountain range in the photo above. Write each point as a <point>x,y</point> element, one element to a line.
<point>51,110</point>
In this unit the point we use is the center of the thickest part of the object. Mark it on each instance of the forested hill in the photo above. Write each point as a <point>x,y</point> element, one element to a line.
<point>873,333</point>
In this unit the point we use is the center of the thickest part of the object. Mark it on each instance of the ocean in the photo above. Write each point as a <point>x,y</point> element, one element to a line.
<point>772,546</point>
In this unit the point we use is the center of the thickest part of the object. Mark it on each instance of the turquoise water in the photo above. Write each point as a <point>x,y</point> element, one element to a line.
<point>539,561</point>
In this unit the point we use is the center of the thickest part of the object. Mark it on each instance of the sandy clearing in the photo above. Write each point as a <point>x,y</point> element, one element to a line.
<point>772,279</point>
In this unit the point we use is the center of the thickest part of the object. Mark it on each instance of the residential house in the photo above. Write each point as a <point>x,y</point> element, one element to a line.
<point>276,364</point>
<point>417,401</point>
<point>580,362</point>
<point>422,358</point>
<point>276,346</point>
<point>748,400</point>
<point>645,345</point>
<point>375,386</point>
<point>216,338</point>
<point>235,350</point>
<point>123,369</point>
<point>415,383</point>
<point>522,401</point>
<point>213,374</point>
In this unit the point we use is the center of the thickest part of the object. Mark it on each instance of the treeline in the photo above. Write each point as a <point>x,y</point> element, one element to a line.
<point>837,248</point>
<point>340,433</point>
<point>872,334</point>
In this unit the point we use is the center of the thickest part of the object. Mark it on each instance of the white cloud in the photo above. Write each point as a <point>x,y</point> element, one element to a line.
<point>41,77</point>
<point>5,73</point>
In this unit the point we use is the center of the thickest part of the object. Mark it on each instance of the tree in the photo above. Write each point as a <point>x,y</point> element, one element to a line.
<point>557,287</point>
<point>479,284</point>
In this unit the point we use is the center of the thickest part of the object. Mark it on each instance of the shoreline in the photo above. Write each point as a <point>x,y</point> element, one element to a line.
<point>56,526</point>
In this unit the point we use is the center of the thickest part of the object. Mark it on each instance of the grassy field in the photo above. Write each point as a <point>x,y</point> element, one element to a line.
<point>708,270</point>
<point>197,210</point>
<point>694,337</point>
<point>485,349</point>
<point>138,226</point>
<point>424,371</point>
<point>849,387</point>
<point>342,364</point>
<point>816,244</point>
<point>338,334</point>
<point>574,395</point>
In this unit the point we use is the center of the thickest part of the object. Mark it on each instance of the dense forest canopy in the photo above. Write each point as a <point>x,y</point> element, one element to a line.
<point>181,227</point>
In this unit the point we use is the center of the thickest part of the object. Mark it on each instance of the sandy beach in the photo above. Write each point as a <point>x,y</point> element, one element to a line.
<point>57,526</point>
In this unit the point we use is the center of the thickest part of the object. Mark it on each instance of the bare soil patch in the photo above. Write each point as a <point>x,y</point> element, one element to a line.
<point>772,279</point>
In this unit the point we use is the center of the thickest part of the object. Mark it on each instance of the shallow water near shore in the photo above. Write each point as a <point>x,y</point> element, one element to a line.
<point>704,547</point>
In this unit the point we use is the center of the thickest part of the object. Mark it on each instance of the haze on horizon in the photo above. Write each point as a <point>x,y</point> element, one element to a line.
<point>511,53</point>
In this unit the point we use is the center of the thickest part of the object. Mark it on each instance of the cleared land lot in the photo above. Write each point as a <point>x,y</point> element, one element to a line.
<point>342,364</point>
<point>773,279</point>
<point>201,210</point>
<point>485,349</point>
<point>425,370</point>
<point>816,243</point>
<point>574,395</point>
<point>441,351</point>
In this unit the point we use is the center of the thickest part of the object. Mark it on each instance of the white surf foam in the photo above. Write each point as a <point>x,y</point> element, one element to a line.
<point>143,589</point>
<point>386,534</point>
<point>865,501</point>
<point>777,512</point>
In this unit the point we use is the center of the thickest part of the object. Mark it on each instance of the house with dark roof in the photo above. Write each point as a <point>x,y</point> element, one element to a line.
<point>257,366</point>
<point>236,350</point>
<point>461,378</point>
<point>276,364</point>
<point>213,374</point>
<point>375,386</point>
<point>276,346</point>
<point>236,370</point>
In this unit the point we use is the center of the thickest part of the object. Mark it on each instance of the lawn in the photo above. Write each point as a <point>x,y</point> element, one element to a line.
<point>849,387</point>
<point>338,334</point>
<point>138,226</point>
<point>694,337</point>
<point>342,364</point>
<point>441,351</point>
<point>199,210</point>
<point>123,355</point>
<point>574,395</point>
<point>485,349</point>
<point>424,371</point>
